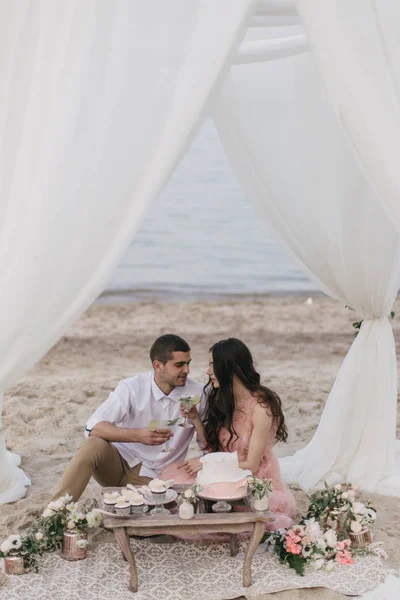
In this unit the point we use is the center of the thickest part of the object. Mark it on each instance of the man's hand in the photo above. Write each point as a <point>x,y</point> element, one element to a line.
<point>191,466</point>
<point>190,414</point>
<point>154,438</point>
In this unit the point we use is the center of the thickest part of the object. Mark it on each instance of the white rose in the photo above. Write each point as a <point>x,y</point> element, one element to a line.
<point>65,499</point>
<point>5,547</point>
<point>70,525</point>
<point>358,508</point>
<point>330,565</point>
<point>48,512</point>
<point>345,495</point>
<point>321,543</point>
<point>355,526</point>
<point>15,541</point>
<point>338,487</point>
<point>81,543</point>
<point>313,529</point>
<point>318,564</point>
<point>94,518</point>
<point>330,538</point>
<point>188,493</point>
<point>351,495</point>
<point>73,515</point>
<point>39,536</point>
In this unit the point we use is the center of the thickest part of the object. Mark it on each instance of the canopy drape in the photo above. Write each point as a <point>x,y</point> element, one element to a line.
<point>356,44</point>
<point>291,156</point>
<point>98,101</point>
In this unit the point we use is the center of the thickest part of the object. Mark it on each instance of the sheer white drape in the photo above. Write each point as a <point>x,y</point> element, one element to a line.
<point>98,101</point>
<point>357,48</point>
<point>292,159</point>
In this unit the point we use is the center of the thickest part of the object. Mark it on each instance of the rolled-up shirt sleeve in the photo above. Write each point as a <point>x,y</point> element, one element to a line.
<point>113,410</point>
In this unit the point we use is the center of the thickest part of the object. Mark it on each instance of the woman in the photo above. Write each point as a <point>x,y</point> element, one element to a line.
<point>242,415</point>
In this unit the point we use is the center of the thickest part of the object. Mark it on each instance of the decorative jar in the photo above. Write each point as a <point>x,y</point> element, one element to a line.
<point>186,510</point>
<point>363,538</point>
<point>14,564</point>
<point>260,504</point>
<point>73,547</point>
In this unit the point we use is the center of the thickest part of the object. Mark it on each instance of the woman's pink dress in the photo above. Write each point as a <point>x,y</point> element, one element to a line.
<point>281,501</point>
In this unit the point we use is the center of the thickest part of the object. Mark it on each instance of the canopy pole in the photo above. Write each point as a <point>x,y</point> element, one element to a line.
<point>273,49</point>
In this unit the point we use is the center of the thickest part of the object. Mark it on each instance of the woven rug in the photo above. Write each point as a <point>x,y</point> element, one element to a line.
<point>181,571</point>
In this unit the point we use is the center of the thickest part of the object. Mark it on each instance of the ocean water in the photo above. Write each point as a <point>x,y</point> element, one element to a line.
<point>201,237</point>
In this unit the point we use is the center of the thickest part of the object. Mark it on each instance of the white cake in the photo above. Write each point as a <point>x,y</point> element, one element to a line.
<point>220,467</point>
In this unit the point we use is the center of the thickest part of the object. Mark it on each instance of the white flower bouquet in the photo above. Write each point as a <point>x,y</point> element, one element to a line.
<point>308,543</point>
<point>336,507</point>
<point>259,487</point>
<point>46,533</point>
<point>191,493</point>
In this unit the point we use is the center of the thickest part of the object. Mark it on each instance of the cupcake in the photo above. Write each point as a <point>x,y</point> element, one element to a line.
<point>137,506</point>
<point>158,490</point>
<point>109,504</point>
<point>123,507</point>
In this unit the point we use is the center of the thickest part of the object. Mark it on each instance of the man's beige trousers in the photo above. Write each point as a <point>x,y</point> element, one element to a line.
<point>101,460</point>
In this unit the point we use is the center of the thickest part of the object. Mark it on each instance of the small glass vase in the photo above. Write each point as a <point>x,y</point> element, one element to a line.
<point>14,564</point>
<point>70,547</point>
<point>260,504</point>
<point>186,510</point>
<point>361,539</point>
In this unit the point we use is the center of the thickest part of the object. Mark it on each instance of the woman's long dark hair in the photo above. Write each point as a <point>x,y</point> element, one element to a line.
<point>232,357</point>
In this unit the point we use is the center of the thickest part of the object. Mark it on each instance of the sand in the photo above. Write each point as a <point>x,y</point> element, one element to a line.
<point>298,349</point>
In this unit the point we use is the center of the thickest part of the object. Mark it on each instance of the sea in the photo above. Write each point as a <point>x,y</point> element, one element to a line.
<point>201,238</point>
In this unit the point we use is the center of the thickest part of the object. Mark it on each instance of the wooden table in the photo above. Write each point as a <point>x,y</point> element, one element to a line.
<point>233,523</point>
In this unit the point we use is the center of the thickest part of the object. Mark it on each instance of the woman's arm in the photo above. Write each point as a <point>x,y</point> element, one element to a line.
<point>193,415</point>
<point>262,423</point>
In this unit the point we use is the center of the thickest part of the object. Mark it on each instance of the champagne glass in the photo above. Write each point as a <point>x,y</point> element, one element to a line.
<point>168,424</point>
<point>187,404</point>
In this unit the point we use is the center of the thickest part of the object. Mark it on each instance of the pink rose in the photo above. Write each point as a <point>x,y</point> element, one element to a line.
<point>340,546</point>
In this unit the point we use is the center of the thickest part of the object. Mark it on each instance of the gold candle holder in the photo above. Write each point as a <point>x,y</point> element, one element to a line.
<point>14,564</point>
<point>70,548</point>
<point>361,539</point>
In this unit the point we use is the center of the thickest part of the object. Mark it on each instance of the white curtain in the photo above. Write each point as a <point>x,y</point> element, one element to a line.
<point>98,101</point>
<point>294,162</point>
<point>356,44</point>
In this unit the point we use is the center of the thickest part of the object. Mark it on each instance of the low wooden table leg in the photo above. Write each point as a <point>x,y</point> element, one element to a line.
<point>254,542</point>
<point>234,544</point>
<point>121,535</point>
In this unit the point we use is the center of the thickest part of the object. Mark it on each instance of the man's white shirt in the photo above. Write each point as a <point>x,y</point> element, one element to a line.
<point>133,404</point>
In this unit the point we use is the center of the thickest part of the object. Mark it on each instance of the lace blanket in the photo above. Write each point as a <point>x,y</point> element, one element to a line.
<point>181,571</point>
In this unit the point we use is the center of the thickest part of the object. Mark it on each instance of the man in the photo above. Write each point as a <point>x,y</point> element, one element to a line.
<point>120,448</point>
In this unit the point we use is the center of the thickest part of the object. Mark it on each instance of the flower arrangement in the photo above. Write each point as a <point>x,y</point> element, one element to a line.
<point>336,507</point>
<point>46,533</point>
<point>308,543</point>
<point>259,487</point>
<point>322,537</point>
<point>191,493</point>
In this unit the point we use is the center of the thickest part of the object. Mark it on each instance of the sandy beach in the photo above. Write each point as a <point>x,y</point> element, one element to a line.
<point>298,349</point>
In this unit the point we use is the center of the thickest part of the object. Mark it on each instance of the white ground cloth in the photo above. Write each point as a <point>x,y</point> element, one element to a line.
<point>86,144</point>
<point>292,159</point>
<point>181,572</point>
